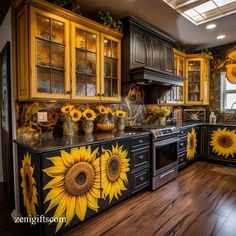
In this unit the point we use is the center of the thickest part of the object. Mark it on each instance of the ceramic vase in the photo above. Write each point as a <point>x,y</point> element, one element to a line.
<point>88,126</point>
<point>120,124</point>
<point>68,126</point>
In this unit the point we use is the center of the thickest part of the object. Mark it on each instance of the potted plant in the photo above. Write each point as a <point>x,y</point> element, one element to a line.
<point>121,118</point>
<point>88,116</point>
<point>159,113</point>
<point>105,122</point>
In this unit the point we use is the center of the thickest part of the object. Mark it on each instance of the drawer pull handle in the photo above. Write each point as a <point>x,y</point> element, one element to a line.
<point>141,178</point>
<point>181,144</point>
<point>141,157</point>
<point>140,141</point>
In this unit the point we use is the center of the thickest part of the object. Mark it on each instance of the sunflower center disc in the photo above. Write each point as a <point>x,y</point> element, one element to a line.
<point>191,143</point>
<point>28,183</point>
<point>225,141</point>
<point>113,168</point>
<point>79,178</point>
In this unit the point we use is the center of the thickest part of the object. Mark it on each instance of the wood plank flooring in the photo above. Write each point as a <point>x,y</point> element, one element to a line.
<point>200,202</point>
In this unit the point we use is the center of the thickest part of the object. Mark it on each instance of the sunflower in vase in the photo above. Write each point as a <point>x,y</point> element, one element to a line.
<point>72,117</point>
<point>88,116</point>
<point>105,122</point>
<point>120,119</point>
<point>158,113</point>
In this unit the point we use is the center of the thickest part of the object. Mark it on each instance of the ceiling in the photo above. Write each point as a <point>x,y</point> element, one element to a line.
<point>162,16</point>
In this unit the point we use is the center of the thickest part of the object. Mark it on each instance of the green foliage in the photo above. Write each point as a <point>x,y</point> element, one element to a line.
<point>206,51</point>
<point>105,17</point>
<point>72,5</point>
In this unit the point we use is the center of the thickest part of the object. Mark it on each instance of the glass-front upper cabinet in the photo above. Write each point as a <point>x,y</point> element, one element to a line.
<point>110,69</point>
<point>194,89</point>
<point>85,63</point>
<point>49,38</point>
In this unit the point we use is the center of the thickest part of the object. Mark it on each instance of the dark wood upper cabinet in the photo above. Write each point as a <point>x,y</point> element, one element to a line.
<point>167,57</point>
<point>139,48</point>
<point>147,48</point>
<point>154,52</point>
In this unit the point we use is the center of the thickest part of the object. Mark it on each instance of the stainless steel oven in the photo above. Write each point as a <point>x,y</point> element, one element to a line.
<point>164,160</point>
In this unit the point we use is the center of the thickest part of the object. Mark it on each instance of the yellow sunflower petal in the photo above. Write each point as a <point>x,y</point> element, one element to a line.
<point>70,211</point>
<point>81,207</point>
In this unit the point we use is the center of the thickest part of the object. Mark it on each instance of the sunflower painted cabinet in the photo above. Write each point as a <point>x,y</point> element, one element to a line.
<point>189,145</point>
<point>221,142</point>
<point>64,56</point>
<point>74,184</point>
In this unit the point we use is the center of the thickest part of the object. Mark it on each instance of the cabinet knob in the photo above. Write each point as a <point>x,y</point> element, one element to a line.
<point>68,92</point>
<point>141,178</point>
<point>98,94</point>
<point>141,157</point>
<point>103,95</point>
<point>181,144</point>
<point>140,141</point>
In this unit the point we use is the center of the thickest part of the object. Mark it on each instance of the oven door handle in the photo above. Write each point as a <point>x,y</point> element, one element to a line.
<point>166,142</point>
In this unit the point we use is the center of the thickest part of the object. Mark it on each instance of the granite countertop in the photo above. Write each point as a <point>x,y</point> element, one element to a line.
<point>55,143</point>
<point>189,125</point>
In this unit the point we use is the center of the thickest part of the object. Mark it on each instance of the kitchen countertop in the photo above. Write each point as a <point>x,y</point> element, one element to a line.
<point>189,125</point>
<point>55,143</point>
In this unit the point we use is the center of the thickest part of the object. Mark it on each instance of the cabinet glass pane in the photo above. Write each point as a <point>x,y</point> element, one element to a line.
<point>58,81</point>
<point>43,27</point>
<point>58,32</point>
<point>107,88</point>
<point>114,68</point>
<point>58,56</point>
<point>91,86</point>
<point>107,67</point>
<point>107,48</point>
<point>181,67</point>
<point>80,85</point>
<point>43,53</point>
<point>114,49</point>
<point>80,61</point>
<point>43,80</point>
<point>91,42</point>
<point>114,87</point>
<point>80,39</point>
<point>91,63</point>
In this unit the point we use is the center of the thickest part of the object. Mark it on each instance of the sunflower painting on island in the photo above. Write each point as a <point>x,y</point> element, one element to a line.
<point>223,142</point>
<point>191,144</point>
<point>75,186</point>
<point>114,168</point>
<point>28,185</point>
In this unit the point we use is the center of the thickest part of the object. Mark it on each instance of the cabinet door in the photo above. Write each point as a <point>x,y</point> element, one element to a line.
<point>167,57</point>
<point>115,172</point>
<point>110,68</point>
<point>85,63</point>
<point>139,48</point>
<point>71,186</point>
<point>154,52</point>
<point>49,55</point>
<point>193,83</point>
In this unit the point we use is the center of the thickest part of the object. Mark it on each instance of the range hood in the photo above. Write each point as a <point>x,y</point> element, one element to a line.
<point>149,76</point>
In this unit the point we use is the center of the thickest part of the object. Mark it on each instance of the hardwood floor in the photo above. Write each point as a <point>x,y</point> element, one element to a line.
<point>201,201</point>
<point>7,225</point>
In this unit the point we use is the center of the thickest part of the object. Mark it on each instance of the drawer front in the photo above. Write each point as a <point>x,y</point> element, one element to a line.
<point>140,180</point>
<point>164,178</point>
<point>182,133</point>
<point>182,158</point>
<point>140,158</point>
<point>182,145</point>
<point>139,142</point>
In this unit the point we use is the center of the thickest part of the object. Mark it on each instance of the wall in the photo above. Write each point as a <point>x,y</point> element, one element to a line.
<point>5,35</point>
<point>217,66</point>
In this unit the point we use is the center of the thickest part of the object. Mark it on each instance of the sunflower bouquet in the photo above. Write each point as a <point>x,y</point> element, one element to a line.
<point>88,116</point>
<point>121,118</point>
<point>159,111</point>
<point>106,120</point>
<point>72,116</point>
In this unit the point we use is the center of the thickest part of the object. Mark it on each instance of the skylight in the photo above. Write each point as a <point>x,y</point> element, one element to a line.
<point>199,12</point>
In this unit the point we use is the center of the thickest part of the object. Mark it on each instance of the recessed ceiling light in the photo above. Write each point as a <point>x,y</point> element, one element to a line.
<point>222,36</point>
<point>211,26</point>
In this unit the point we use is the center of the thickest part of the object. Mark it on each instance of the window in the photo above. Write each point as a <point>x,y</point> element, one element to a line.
<point>228,94</point>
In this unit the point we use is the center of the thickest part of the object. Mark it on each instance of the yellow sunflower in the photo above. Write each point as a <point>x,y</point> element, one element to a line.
<point>88,114</point>
<point>121,114</point>
<point>28,185</point>
<point>114,168</point>
<point>75,185</point>
<point>103,110</point>
<point>75,115</point>
<point>191,144</point>
<point>67,109</point>
<point>223,142</point>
